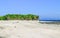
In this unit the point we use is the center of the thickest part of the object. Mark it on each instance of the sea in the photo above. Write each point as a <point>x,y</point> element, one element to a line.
<point>50,21</point>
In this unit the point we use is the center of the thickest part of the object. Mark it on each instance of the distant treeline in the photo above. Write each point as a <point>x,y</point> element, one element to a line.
<point>19,17</point>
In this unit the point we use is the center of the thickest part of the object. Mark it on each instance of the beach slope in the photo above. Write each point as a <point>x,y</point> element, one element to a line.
<point>28,29</point>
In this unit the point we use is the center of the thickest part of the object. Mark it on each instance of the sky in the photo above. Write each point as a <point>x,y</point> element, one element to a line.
<point>46,9</point>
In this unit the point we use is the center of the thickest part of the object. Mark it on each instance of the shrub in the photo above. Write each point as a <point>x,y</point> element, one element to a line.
<point>3,18</point>
<point>19,17</point>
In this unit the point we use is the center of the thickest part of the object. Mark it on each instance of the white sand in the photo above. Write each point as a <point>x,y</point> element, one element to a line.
<point>28,29</point>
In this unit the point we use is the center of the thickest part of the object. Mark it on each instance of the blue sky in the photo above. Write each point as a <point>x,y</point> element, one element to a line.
<point>46,9</point>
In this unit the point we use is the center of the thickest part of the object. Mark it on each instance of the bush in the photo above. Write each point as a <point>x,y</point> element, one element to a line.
<point>3,18</point>
<point>19,17</point>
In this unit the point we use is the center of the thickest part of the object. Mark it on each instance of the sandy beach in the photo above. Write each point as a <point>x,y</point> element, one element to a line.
<point>28,29</point>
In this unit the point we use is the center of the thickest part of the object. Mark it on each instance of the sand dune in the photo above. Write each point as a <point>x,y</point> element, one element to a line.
<point>28,29</point>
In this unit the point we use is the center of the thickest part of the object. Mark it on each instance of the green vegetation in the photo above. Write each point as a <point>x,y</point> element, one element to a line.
<point>3,18</point>
<point>19,17</point>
